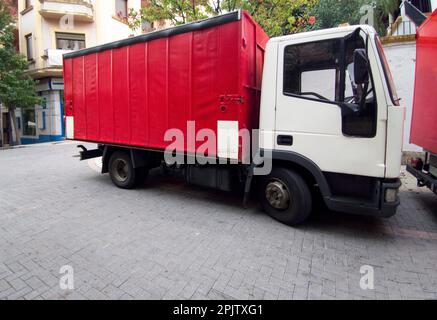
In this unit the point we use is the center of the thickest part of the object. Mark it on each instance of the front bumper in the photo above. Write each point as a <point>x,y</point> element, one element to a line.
<point>388,208</point>
<point>378,207</point>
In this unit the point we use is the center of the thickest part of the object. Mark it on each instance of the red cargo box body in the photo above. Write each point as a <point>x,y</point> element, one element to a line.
<point>424,123</point>
<point>131,92</point>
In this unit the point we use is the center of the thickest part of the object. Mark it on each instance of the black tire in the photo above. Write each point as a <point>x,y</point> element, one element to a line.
<point>272,193</point>
<point>121,170</point>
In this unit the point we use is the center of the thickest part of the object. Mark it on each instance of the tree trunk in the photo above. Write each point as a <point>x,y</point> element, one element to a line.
<point>15,127</point>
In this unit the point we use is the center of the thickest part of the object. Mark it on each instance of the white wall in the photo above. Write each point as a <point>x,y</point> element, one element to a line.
<point>402,60</point>
<point>109,28</point>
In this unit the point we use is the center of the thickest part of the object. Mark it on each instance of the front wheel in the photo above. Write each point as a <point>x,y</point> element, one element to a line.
<point>285,196</point>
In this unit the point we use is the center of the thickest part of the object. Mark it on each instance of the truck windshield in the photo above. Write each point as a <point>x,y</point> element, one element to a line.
<point>387,73</point>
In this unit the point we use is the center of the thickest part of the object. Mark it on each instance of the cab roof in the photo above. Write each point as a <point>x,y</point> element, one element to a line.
<point>339,30</point>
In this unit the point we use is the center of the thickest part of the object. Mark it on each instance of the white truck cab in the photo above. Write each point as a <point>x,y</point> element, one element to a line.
<point>329,110</point>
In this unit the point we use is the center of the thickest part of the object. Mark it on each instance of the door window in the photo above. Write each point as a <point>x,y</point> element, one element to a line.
<point>321,83</point>
<point>324,71</point>
<point>312,70</point>
<point>359,110</point>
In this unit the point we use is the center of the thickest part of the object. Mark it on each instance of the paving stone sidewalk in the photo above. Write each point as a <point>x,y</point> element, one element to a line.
<point>172,241</point>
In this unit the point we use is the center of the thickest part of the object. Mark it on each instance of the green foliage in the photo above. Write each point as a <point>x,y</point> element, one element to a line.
<point>277,17</point>
<point>281,17</point>
<point>387,6</point>
<point>176,11</point>
<point>331,13</point>
<point>16,88</point>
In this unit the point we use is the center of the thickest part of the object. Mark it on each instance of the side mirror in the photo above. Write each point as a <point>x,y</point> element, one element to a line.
<point>361,70</point>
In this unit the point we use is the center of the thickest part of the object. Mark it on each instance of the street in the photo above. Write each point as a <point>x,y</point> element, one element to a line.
<point>168,240</point>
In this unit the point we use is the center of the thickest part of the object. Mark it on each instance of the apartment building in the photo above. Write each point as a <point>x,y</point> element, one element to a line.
<point>47,30</point>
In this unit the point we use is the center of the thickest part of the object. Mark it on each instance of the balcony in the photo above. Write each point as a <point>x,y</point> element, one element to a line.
<point>53,58</point>
<point>401,28</point>
<point>52,63</point>
<point>80,10</point>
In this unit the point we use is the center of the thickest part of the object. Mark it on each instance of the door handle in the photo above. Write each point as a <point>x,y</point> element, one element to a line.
<point>285,140</point>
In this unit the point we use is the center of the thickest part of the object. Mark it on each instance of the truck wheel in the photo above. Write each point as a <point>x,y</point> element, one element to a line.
<point>285,196</point>
<point>122,173</point>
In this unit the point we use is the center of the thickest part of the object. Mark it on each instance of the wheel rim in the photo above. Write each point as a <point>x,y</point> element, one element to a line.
<point>121,170</point>
<point>278,195</point>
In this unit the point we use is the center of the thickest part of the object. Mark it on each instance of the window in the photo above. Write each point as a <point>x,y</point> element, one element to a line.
<point>70,41</point>
<point>121,9</point>
<point>312,70</point>
<point>323,71</point>
<point>320,82</point>
<point>363,122</point>
<point>29,47</point>
<point>351,89</point>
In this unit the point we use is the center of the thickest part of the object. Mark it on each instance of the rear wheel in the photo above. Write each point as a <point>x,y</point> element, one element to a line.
<point>285,196</point>
<point>121,170</point>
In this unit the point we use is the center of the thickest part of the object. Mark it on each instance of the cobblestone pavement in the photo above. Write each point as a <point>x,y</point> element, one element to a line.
<point>167,240</point>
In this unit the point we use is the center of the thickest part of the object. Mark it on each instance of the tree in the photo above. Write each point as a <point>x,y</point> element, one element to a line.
<point>331,13</point>
<point>281,17</point>
<point>277,17</point>
<point>176,11</point>
<point>17,90</point>
<point>388,7</point>
<point>384,14</point>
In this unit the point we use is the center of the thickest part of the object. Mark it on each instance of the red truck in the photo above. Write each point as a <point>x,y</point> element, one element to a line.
<point>424,122</point>
<point>299,117</point>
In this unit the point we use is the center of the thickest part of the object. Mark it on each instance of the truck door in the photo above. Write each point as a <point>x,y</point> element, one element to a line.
<point>321,113</point>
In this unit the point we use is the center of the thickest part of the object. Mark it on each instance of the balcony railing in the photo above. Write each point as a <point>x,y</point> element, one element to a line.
<point>402,28</point>
<point>80,10</point>
<point>53,57</point>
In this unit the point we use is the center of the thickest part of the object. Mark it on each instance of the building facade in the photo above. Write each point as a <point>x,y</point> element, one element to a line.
<point>47,30</point>
<point>400,49</point>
